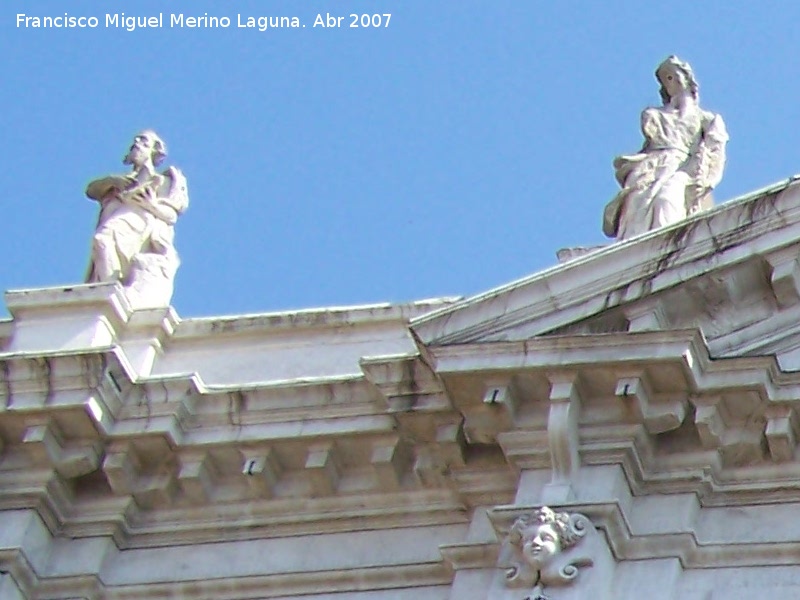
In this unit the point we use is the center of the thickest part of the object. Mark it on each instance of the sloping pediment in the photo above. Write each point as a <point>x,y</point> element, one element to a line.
<point>732,272</point>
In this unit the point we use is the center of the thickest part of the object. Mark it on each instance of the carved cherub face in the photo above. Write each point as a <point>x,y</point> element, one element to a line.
<point>543,546</point>
<point>539,548</point>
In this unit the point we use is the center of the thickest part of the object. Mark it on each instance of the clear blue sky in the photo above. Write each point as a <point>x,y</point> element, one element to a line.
<point>453,151</point>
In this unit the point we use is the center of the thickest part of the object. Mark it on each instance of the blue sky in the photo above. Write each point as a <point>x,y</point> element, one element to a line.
<point>452,152</point>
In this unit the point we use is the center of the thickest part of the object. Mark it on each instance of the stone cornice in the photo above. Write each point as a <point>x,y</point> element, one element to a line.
<point>193,421</point>
<point>315,318</point>
<point>626,544</point>
<point>237,521</point>
<point>743,409</point>
<point>302,583</point>
<point>291,584</point>
<point>759,223</point>
<point>92,296</point>
<point>686,347</point>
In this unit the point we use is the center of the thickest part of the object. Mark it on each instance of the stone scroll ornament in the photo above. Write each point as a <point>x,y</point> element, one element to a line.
<point>681,161</point>
<point>133,242</point>
<point>544,550</point>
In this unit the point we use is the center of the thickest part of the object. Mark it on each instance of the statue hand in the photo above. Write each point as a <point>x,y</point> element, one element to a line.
<point>150,195</point>
<point>142,195</point>
<point>110,194</point>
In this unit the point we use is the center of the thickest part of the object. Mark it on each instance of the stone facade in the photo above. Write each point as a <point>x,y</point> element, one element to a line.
<point>646,392</point>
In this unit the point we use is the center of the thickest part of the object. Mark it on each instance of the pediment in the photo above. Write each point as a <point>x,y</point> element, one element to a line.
<point>732,272</point>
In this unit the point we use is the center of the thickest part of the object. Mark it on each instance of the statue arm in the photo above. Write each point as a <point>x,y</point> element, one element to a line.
<point>706,164</point>
<point>161,210</point>
<point>100,189</point>
<point>651,127</point>
<point>178,196</point>
<point>711,152</point>
<point>169,206</point>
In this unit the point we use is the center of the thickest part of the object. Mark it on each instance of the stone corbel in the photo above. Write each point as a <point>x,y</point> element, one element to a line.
<point>781,432</point>
<point>126,475</point>
<point>121,468</point>
<point>494,415</point>
<point>785,277</point>
<point>657,416</point>
<point>562,436</point>
<point>737,445</point>
<point>445,450</point>
<point>390,459</point>
<point>46,446</point>
<point>262,469</point>
<point>643,317</point>
<point>323,468</point>
<point>709,423</point>
<point>197,476</point>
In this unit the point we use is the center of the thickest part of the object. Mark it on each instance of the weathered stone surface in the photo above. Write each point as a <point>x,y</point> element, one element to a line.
<point>642,391</point>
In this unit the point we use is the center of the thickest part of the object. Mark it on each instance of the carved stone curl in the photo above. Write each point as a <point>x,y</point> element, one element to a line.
<point>541,549</point>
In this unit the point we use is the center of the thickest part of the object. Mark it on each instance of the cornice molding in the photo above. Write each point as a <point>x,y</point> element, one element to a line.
<point>761,223</point>
<point>625,544</point>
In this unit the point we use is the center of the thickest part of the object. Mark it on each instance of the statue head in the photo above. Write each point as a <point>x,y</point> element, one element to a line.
<point>146,146</point>
<point>675,76</point>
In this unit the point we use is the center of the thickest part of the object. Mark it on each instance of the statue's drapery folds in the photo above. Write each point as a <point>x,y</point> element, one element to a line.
<point>134,239</point>
<point>681,161</point>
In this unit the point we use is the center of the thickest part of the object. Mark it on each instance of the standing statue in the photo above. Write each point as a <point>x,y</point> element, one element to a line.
<point>680,163</point>
<point>133,241</point>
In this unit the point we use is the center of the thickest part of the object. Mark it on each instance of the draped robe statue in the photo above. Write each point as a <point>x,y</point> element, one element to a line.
<point>680,163</point>
<point>134,239</point>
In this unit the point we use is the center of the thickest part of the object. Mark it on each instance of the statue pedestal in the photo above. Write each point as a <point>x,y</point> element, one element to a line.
<point>81,317</point>
<point>85,318</point>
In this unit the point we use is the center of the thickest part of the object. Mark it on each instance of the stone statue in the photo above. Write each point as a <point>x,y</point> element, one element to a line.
<point>133,241</point>
<point>540,545</point>
<point>680,163</point>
